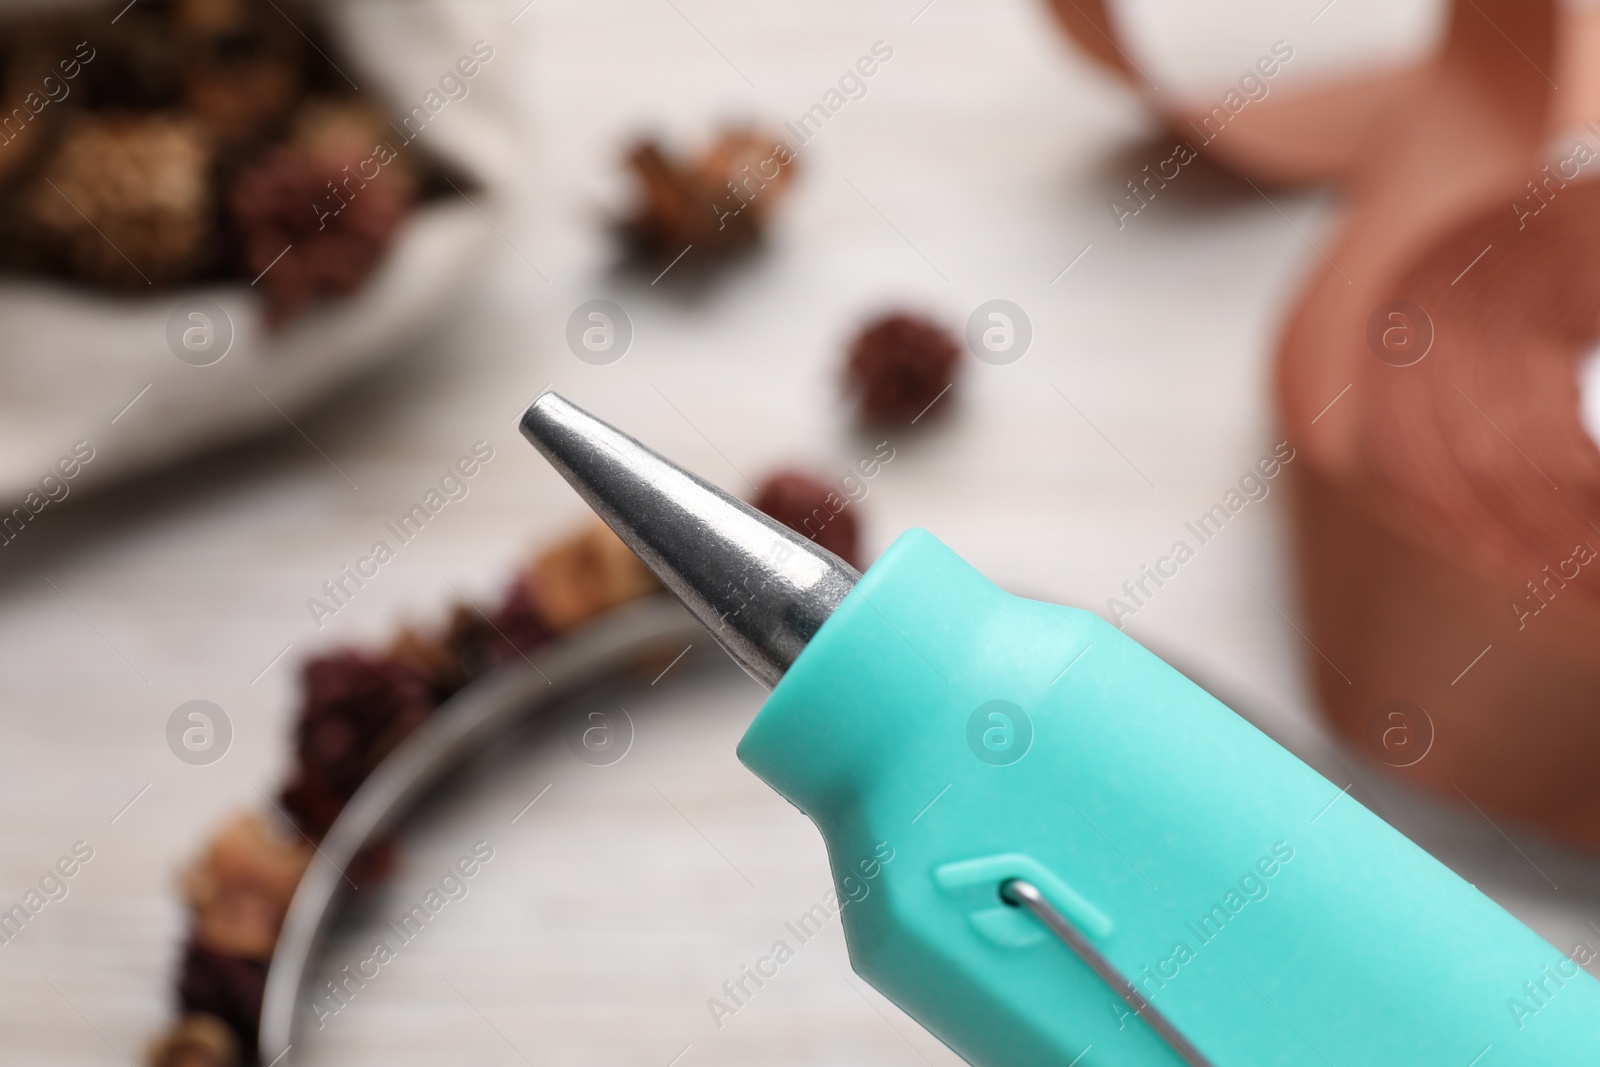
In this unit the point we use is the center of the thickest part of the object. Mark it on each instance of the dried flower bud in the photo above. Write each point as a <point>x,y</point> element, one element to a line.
<point>718,203</point>
<point>899,365</point>
<point>354,710</point>
<point>124,201</point>
<point>584,576</point>
<point>31,53</point>
<point>21,142</point>
<point>241,887</point>
<point>315,218</point>
<point>311,803</point>
<point>228,987</point>
<point>470,637</point>
<point>243,64</point>
<point>430,659</point>
<point>130,64</point>
<point>518,627</point>
<point>756,165</point>
<point>814,509</point>
<point>196,1041</point>
<point>337,128</point>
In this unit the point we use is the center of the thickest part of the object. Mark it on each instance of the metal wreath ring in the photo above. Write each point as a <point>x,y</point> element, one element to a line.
<point>462,726</point>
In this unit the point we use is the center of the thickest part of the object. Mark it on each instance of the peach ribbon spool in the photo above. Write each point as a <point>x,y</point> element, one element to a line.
<point>1446,496</point>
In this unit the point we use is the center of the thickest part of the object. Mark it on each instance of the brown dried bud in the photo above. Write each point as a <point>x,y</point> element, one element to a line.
<point>34,50</point>
<point>125,201</point>
<point>23,135</point>
<point>228,987</point>
<point>519,627</point>
<point>131,64</point>
<point>430,659</point>
<point>241,887</point>
<point>197,1040</point>
<point>243,64</point>
<point>355,708</point>
<point>314,218</point>
<point>584,576</point>
<point>718,203</point>
<point>814,509</point>
<point>899,365</point>
<point>337,128</point>
<point>470,637</point>
<point>312,803</point>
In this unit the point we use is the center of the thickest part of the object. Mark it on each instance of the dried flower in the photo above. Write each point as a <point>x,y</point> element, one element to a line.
<point>125,201</point>
<point>314,218</point>
<point>899,365</point>
<point>30,52</point>
<point>168,157</point>
<point>312,803</point>
<point>584,576</point>
<point>132,63</point>
<point>470,637</point>
<point>228,987</point>
<point>433,660</point>
<point>812,508</point>
<point>519,627</point>
<point>240,889</point>
<point>22,139</point>
<point>337,127</point>
<point>243,64</point>
<point>505,636</point>
<point>719,203</point>
<point>197,1040</point>
<point>354,710</point>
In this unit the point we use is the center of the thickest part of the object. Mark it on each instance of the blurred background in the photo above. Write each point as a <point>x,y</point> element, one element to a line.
<point>977,165</point>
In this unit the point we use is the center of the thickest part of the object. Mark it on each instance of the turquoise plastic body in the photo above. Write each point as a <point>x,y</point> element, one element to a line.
<point>1267,914</point>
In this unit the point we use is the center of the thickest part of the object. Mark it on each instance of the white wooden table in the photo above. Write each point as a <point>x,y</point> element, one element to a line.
<point>976,166</point>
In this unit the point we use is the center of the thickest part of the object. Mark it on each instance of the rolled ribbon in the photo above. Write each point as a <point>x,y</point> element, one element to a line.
<point>1447,500</point>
